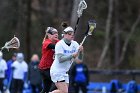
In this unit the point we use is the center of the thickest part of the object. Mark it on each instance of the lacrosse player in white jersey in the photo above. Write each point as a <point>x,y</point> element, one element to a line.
<point>66,50</point>
<point>20,69</point>
<point>3,68</point>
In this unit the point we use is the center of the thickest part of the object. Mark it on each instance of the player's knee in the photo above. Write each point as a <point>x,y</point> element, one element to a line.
<point>65,91</point>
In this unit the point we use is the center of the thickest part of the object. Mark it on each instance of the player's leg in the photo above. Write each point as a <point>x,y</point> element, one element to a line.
<point>47,82</point>
<point>20,86</point>
<point>62,87</point>
<point>61,81</point>
<point>76,87</point>
<point>83,87</point>
<point>53,87</point>
<point>14,87</point>
<point>1,84</point>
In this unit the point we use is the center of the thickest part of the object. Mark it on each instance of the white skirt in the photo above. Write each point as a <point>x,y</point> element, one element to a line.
<point>56,77</point>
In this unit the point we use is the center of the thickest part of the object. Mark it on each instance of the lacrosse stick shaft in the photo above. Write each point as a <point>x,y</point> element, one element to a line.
<point>76,25</point>
<point>82,5</point>
<point>1,48</point>
<point>83,40</point>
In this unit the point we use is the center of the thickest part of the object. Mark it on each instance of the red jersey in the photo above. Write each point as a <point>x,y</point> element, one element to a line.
<point>47,55</point>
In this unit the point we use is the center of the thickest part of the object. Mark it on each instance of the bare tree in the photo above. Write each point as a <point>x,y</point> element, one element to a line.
<point>117,33</point>
<point>124,48</point>
<point>107,39</point>
<point>28,33</point>
<point>74,12</point>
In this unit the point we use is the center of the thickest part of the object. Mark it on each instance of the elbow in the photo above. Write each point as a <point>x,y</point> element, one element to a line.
<point>61,60</point>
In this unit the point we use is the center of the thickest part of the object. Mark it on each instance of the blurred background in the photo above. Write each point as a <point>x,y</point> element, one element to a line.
<point>114,45</point>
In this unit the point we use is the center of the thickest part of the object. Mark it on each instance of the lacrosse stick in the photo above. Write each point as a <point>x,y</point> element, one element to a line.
<point>13,43</point>
<point>91,27</point>
<point>82,5</point>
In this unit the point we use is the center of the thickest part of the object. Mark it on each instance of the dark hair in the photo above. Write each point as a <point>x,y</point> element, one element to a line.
<point>14,54</point>
<point>64,25</point>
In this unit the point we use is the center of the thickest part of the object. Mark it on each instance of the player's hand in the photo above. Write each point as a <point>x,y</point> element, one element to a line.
<point>75,55</point>
<point>80,48</point>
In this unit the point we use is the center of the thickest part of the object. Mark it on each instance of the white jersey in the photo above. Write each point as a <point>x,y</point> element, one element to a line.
<point>62,48</point>
<point>19,69</point>
<point>3,68</point>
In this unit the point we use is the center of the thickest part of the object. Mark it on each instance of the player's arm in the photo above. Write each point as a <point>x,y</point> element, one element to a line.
<point>51,46</point>
<point>80,55</point>
<point>62,58</point>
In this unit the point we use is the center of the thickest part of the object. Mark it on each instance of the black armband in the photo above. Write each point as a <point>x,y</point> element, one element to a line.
<point>51,46</point>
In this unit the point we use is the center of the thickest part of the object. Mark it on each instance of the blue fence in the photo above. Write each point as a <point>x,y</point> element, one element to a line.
<point>98,86</point>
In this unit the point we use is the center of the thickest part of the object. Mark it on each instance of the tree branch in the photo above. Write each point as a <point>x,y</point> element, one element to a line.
<point>127,39</point>
<point>107,40</point>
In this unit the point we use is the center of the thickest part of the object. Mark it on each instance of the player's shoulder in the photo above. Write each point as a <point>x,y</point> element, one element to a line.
<point>25,63</point>
<point>74,42</point>
<point>3,60</point>
<point>47,41</point>
<point>15,63</point>
<point>59,42</point>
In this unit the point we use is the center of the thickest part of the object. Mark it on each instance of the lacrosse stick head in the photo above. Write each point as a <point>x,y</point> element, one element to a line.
<point>13,43</point>
<point>82,5</point>
<point>91,27</point>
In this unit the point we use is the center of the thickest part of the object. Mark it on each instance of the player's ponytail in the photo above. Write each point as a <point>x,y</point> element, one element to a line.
<point>64,25</point>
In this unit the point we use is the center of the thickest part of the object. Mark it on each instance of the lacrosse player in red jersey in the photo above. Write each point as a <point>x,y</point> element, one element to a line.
<point>46,61</point>
<point>66,50</point>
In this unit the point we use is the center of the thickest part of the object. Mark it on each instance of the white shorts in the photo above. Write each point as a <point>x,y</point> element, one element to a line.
<point>56,77</point>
